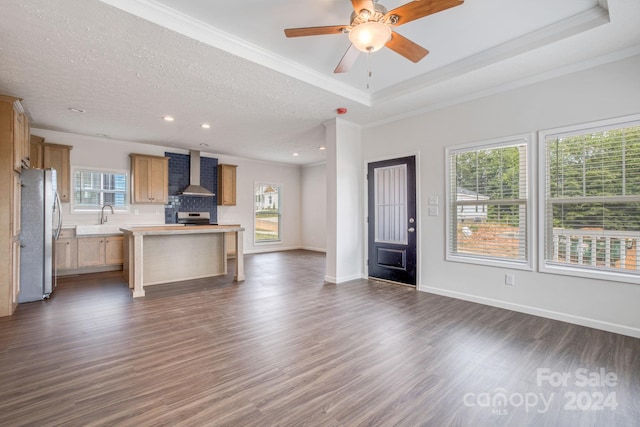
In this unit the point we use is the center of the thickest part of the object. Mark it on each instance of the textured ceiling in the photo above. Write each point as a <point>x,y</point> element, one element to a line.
<point>128,63</point>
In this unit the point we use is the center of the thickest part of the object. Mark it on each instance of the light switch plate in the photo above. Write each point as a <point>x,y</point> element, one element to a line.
<point>433,200</point>
<point>433,211</point>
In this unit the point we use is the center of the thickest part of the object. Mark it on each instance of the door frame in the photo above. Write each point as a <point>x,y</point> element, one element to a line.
<point>365,211</point>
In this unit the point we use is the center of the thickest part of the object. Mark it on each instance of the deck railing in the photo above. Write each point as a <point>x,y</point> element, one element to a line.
<point>616,250</point>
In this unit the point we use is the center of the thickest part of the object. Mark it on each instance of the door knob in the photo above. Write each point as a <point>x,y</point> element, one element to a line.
<point>411,230</point>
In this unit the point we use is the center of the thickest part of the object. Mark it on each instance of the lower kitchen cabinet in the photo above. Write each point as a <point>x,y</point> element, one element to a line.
<point>113,252</point>
<point>16,271</point>
<point>77,255</point>
<point>66,251</point>
<point>99,251</point>
<point>91,251</point>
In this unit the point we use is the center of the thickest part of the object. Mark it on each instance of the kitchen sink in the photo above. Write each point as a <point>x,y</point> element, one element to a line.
<point>88,230</point>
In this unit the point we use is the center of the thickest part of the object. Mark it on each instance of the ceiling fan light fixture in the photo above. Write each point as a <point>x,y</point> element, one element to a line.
<point>370,36</point>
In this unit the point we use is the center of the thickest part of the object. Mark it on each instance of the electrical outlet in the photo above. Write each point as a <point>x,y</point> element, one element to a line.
<point>509,279</point>
<point>433,211</point>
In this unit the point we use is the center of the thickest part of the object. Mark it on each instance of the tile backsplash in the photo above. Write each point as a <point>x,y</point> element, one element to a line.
<point>179,180</point>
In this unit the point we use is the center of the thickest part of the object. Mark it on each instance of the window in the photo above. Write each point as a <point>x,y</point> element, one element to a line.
<point>267,213</point>
<point>488,208</point>
<point>92,189</point>
<point>590,181</point>
<point>390,201</point>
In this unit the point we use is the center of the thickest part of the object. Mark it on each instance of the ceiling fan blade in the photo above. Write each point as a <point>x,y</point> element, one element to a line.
<point>347,60</point>
<point>358,5</point>
<point>405,47</point>
<point>314,31</point>
<point>419,9</point>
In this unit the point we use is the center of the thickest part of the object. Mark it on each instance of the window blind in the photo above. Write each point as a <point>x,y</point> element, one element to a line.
<point>94,189</point>
<point>592,198</point>
<point>488,198</point>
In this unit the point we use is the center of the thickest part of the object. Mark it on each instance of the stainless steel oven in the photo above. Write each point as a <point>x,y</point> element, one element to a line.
<point>194,218</point>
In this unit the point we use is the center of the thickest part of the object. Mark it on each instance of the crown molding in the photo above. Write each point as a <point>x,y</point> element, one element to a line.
<point>181,23</point>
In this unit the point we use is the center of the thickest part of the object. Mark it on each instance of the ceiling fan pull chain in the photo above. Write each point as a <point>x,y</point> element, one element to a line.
<point>368,69</point>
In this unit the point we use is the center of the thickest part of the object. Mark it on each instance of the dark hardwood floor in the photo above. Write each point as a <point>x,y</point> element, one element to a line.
<point>283,348</point>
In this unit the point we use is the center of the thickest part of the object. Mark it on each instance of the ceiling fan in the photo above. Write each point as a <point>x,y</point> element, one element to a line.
<point>370,29</point>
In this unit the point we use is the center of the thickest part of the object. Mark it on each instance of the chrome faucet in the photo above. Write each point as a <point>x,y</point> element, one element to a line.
<point>103,218</point>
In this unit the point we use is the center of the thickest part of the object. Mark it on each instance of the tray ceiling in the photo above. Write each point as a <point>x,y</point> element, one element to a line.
<point>127,63</point>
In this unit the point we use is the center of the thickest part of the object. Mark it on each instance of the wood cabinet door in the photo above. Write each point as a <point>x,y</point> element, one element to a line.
<point>140,174</point>
<point>25,150</point>
<point>15,279</point>
<point>227,185</point>
<point>16,201</point>
<point>91,251</point>
<point>18,136</point>
<point>150,179</point>
<point>113,250</point>
<point>57,157</point>
<point>64,255</point>
<point>159,180</point>
<point>36,152</point>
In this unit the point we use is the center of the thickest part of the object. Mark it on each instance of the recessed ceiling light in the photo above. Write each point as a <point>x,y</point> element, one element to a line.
<point>168,118</point>
<point>205,126</point>
<point>102,135</point>
<point>76,110</point>
<point>202,144</point>
<point>322,147</point>
<point>295,154</point>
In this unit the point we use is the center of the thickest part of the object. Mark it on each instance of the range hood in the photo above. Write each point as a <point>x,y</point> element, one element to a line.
<point>194,188</point>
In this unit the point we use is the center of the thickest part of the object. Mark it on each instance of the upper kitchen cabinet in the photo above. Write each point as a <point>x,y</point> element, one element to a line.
<point>149,179</point>
<point>21,140</point>
<point>20,135</point>
<point>227,185</point>
<point>36,151</point>
<point>57,156</point>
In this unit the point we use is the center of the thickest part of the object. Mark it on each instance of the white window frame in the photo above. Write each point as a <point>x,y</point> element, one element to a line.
<point>93,210</point>
<point>528,264</point>
<point>280,188</point>
<point>572,270</point>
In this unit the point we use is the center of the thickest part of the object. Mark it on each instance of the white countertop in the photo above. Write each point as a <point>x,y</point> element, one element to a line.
<point>180,229</point>
<point>107,229</point>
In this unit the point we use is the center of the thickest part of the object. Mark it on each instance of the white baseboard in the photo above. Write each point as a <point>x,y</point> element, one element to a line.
<point>271,249</point>
<point>549,314</point>
<point>342,279</point>
<point>281,248</point>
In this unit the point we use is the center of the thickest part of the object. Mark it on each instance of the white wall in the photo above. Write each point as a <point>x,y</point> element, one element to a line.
<point>251,172</point>
<point>344,208</point>
<point>314,202</point>
<point>110,154</point>
<point>603,92</point>
<point>102,153</point>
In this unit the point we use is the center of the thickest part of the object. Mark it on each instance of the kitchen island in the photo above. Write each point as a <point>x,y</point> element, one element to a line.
<point>164,254</point>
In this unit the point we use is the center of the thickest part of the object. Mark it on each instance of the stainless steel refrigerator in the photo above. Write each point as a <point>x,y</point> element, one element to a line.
<point>41,220</point>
